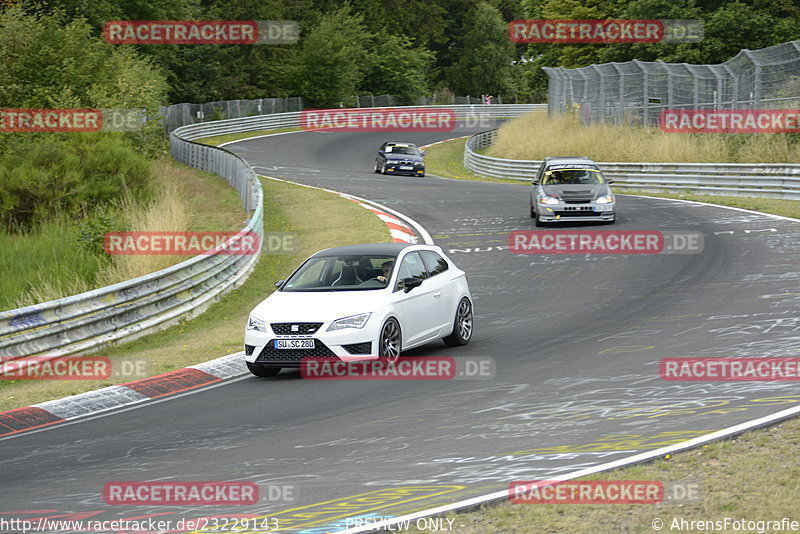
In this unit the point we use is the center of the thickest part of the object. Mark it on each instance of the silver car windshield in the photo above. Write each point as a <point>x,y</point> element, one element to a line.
<point>342,273</point>
<point>573,176</point>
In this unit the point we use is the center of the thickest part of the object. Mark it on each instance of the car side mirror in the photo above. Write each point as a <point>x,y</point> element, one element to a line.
<point>535,182</point>
<point>422,152</point>
<point>609,181</point>
<point>411,283</point>
<point>279,283</point>
<point>381,153</point>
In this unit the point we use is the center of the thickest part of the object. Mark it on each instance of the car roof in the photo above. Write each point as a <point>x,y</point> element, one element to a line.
<point>388,249</point>
<point>398,143</point>
<point>552,162</point>
<point>569,161</point>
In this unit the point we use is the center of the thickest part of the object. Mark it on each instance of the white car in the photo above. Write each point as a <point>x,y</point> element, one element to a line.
<point>360,302</point>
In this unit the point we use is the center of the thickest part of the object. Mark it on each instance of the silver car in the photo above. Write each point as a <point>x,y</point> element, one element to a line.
<point>569,190</point>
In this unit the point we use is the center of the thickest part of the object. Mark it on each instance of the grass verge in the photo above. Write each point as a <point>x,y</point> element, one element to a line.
<point>536,136</point>
<point>753,477</point>
<point>326,220</point>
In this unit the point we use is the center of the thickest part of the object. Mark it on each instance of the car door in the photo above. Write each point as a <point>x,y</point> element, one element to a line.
<point>418,310</point>
<point>443,287</point>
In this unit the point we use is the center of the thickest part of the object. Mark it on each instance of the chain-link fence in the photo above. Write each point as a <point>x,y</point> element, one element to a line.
<point>636,92</point>
<point>179,115</point>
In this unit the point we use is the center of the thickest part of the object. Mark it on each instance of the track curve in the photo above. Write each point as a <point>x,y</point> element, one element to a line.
<point>576,339</point>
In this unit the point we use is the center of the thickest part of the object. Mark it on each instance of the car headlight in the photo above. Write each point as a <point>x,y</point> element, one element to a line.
<point>256,324</point>
<point>549,200</point>
<point>605,199</point>
<point>354,321</point>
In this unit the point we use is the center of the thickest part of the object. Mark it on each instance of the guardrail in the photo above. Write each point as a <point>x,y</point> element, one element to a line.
<point>85,322</point>
<point>773,180</point>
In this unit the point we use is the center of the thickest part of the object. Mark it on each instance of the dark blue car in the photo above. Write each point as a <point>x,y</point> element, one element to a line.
<point>400,158</point>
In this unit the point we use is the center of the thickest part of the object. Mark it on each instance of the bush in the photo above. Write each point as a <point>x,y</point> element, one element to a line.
<point>69,176</point>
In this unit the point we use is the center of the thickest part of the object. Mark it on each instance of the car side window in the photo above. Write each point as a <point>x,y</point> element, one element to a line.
<point>411,267</point>
<point>434,263</point>
<point>538,178</point>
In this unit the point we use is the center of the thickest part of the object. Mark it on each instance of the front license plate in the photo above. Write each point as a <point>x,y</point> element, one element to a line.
<point>294,343</point>
<point>406,168</point>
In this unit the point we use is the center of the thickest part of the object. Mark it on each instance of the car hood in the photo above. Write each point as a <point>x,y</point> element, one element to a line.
<point>405,157</point>
<point>317,306</point>
<point>577,192</point>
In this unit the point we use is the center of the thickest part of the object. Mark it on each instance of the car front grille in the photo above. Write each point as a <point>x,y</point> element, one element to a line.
<point>286,329</point>
<point>359,348</point>
<point>270,354</point>
<point>571,209</point>
<point>578,213</point>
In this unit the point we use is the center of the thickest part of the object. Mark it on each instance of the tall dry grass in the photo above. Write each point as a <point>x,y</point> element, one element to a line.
<point>536,136</point>
<point>63,269</point>
<point>168,212</point>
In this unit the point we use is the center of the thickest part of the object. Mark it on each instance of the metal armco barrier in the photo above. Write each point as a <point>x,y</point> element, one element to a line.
<point>126,310</point>
<point>773,180</point>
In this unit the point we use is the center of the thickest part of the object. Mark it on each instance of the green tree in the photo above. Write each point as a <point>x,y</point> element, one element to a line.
<point>328,67</point>
<point>397,68</point>
<point>484,65</point>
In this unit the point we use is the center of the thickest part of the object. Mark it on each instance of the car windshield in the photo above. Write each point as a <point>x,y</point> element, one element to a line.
<point>573,176</point>
<point>402,150</point>
<point>342,273</point>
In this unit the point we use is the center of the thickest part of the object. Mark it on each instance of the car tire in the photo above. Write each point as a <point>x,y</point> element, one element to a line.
<point>462,325</point>
<point>262,370</point>
<point>376,169</point>
<point>422,175</point>
<point>390,341</point>
<point>383,168</point>
<point>533,212</point>
<point>538,222</point>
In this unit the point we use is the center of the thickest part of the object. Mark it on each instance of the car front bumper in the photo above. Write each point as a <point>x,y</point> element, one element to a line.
<point>395,169</point>
<point>591,212</point>
<point>348,344</point>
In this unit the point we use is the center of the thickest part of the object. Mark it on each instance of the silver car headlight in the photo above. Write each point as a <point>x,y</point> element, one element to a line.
<point>256,324</point>
<point>354,321</point>
<point>606,199</point>
<point>549,200</point>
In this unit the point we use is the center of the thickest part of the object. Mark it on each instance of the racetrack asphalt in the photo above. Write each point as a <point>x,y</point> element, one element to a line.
<point>576,340</point>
